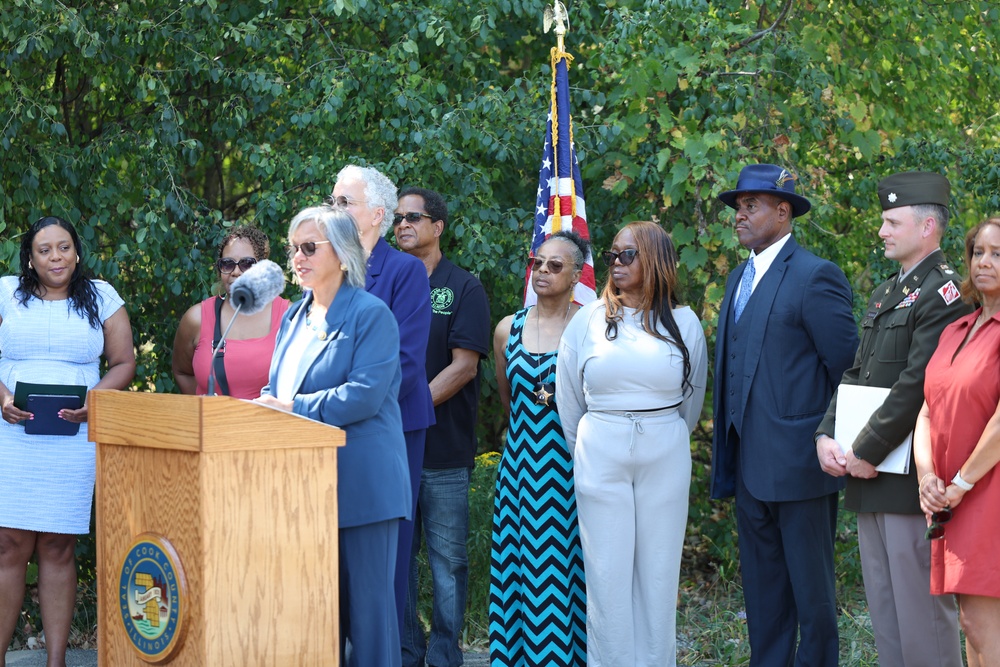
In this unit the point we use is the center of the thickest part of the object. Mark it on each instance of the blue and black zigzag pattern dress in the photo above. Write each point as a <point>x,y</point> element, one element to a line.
<point>537,590</point>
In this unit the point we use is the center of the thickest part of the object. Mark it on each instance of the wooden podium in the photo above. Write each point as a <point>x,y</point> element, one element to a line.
<point>217,523</point>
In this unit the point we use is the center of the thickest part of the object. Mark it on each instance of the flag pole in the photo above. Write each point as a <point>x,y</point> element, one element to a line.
<point>559,202</point>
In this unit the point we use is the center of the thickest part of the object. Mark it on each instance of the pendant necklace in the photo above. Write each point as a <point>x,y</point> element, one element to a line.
<point>544,391</point>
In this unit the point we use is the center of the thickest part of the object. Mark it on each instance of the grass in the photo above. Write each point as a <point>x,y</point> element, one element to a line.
<point>712,627</point>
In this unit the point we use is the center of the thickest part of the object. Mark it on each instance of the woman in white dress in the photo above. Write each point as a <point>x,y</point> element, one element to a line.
<point>55,324</point>
<point>630,382</point>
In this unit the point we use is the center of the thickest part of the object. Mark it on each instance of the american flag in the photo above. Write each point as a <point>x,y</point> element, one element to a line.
<point>560,204</point>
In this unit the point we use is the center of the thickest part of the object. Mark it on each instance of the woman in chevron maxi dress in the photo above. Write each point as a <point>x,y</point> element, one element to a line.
<point>537,588</point>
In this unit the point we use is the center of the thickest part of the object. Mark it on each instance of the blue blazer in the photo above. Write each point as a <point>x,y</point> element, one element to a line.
<point>801,339</point>
<point>351,380</point>
<point>400,280</point>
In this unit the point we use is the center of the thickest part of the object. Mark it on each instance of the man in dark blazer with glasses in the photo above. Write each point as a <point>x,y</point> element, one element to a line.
<point>786,334</point>
<point>401,282</point>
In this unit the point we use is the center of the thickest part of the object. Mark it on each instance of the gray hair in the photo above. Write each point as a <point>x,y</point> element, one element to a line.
<point>379,191</point>
<point>936,211</point>
<point>579,246</point>
<point>339,228</point>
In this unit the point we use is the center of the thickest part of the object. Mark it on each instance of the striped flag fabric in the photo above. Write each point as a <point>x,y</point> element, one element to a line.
<point>560,203</point>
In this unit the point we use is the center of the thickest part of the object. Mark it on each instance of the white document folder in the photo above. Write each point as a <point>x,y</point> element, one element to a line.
<point>855,406</point>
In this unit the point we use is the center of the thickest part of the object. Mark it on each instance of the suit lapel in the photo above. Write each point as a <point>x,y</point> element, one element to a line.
<point>891,296</point>
<point>318,343</point>
<point>376,262</point>
<point>759,311</point>
<point>285,335</point>
<point>727,304</point>
<point>897,291</point>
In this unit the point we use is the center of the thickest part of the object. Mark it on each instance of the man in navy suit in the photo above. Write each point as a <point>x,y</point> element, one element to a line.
<point>786,335</point>
<point>400,280</point>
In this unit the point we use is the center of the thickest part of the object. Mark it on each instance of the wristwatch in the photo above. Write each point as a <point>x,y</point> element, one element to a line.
<point>961,483</point>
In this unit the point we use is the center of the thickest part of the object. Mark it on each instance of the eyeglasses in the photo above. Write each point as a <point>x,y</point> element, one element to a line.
<point>413,217</point>
<point>228,264</point>
<point>935,531</point>
<point>343,202</point>
<point>626,257</point>
<point>553,265</point>
<point>308,248</point>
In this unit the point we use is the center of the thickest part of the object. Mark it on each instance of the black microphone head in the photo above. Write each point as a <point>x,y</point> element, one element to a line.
<point>259,286</point>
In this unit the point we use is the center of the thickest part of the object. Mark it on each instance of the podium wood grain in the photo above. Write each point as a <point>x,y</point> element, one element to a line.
<point>248,497</point>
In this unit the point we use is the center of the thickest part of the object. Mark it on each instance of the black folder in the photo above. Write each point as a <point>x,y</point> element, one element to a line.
<point>45,408</point>
<point>45,401</point>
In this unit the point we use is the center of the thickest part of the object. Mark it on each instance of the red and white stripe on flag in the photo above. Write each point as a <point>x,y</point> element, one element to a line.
<point>560,203</point>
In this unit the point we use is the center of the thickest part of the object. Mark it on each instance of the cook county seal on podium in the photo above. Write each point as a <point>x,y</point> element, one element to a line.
<point>152,597</point>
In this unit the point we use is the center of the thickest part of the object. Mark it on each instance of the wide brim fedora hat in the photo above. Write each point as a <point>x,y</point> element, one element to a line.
<point>770,179</point>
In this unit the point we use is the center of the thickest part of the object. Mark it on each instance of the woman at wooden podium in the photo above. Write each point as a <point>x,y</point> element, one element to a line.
<point>336,360</point>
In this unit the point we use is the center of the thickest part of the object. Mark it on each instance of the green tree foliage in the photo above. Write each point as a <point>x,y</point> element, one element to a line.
<point>154,124</point>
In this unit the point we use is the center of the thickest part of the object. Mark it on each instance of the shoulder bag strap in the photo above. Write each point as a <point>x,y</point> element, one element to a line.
<point>220,361</point>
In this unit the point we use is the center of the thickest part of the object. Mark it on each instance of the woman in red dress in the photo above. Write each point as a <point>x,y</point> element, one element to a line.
<point>956,450</point>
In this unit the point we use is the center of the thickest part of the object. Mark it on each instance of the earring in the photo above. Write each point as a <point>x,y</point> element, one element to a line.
<point>77,259</point>
<point>343,267</point>
<point>30,266</point>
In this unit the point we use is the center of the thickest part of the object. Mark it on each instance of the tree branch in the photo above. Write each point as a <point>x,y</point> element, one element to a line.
<point>763,33</point>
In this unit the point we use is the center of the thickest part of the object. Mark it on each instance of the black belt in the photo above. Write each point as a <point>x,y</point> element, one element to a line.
<point>668,407</point>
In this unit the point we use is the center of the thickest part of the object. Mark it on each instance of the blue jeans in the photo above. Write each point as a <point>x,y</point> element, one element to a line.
<point>443,516</point>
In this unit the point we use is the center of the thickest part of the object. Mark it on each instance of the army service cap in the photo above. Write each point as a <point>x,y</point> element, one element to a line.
<point>912,188</point>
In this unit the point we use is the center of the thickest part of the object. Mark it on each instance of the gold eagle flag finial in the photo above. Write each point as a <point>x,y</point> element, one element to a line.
<point>556,18</point>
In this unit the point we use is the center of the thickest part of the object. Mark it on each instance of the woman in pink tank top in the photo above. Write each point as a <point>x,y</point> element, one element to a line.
<point>246,355</point>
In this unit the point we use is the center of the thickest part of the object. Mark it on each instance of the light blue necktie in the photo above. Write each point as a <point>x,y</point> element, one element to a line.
<point>746,288</point>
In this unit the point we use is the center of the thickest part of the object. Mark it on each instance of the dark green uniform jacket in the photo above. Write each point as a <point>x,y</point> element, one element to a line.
<point>899,333</point>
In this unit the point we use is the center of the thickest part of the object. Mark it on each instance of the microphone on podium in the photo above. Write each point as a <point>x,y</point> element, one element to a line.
<point>251,292</point>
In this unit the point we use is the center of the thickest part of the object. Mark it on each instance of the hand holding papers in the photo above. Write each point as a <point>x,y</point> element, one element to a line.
<point>45,401</point>
<point>855,406</point>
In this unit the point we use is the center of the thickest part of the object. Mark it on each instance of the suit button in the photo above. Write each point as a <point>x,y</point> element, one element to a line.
<point>732,356</point>
<point>872,353</point>
<point>868,375</point>
<point>732,411</point>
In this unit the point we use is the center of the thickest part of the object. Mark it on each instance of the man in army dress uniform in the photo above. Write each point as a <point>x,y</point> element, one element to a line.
<point>900,331</point>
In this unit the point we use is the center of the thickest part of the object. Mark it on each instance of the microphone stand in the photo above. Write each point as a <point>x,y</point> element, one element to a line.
<point>215,352</point>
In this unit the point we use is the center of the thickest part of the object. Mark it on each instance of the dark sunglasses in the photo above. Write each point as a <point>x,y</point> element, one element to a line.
<point>308,248</point>
<point>413,217</point>
<point>935,531</point>
<point>626,257</point>
<point>228,265</point>
<point>554,265</point>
